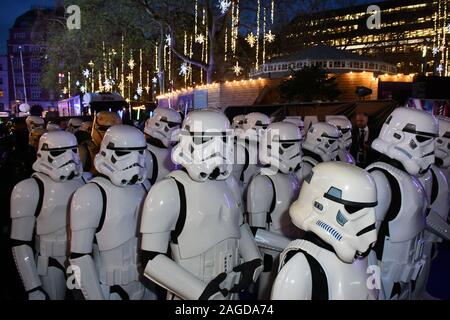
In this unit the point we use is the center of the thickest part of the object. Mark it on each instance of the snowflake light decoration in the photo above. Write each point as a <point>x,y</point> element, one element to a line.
<point>139,90</point>
<point>86,73</point>
<point>251,39</point>
<point>270,37</point>
<point>200,38</point>
<point>147,89</point>
<point>155,80</point>
<point>131,64</point>
<point>436,50</point>
<point>168,40</point>
<point>237,69</point>
<point>107,85</point>
<point>448,27</point>
<point>224,5</point>
<point>77,83</point>
<point>184,69</point>
<point>130,78</point>
<point>440,69</point>
<point>83,89</point>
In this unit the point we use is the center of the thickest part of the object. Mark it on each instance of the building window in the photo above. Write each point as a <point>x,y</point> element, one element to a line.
<point>1,81</point>
<point>35,93</point>
<point>35,63</point>
<point>35,78</point>
<point>2,107</point>
<point>19,80</point>
<point>19,35</point>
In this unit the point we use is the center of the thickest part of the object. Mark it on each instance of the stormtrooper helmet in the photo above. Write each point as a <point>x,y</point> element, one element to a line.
<point>163,125</point>
<point>51,126</point>
<point>443,143</point>
<point>57,156</point>
<point>281,147</point>
<point>206,146</point>
<point>122,156</point>
<point>74,125</point>
<point>337,203</point>
<point>298,122</point>
<point>102,122</point>
<point>34,122</point>
<point>345,127</point>
<point>408,135</point>
<point>238,121</point>
<point>323,139</point>
<point>254,125</point>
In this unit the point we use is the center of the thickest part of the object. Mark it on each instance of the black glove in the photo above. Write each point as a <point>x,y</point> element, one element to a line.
<point>213,287</point>
<point>247,270</point>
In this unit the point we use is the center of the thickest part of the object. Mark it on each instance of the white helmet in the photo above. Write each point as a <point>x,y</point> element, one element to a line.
<point>34,122</point>
<point>298,122</point>
<point>163,125</point>
<point>337,203</point>
<point>57,156</point>
<point>408,135</point>
<point>121,157</point>
<point>323,139</point>
<point>254,125</point>
<point>443,143</point>
<point>206,146</point>
<point>281,147</point>
<point>238,121</point>
<point>345,127</point>
<point>74,125</point>
<point>53,127</point>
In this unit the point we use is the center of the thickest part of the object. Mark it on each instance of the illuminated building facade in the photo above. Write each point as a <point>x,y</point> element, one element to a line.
<point>414,35</point>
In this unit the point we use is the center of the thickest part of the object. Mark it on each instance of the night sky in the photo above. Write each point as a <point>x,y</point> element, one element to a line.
<point>10,9</point>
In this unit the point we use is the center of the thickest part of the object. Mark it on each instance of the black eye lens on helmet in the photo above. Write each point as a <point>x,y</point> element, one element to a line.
<point>352,209</point>
<point>172,124</point>
<point>57,153</point>
<point>331,141</point>
<point>345,130</point>
<point>421,139</point>
<point>122,153</point>
<point>287,145</point>
<point>75,150</point>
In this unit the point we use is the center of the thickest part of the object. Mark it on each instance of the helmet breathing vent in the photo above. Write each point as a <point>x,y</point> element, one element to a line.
<point>329,229</point>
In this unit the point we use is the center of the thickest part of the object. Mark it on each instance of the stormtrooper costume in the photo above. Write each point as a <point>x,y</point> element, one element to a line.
<point>89,148</point>
<point>247,148</point>
<point>107,211</point>
<point>160,131</point>
<point>74,125</point>
<point>437,190</point>
<point>39,209</point>
<point>34,122</point>
<point>321,145</point>
<point>238,122</point>
<point>345,142</point>
<point>198,213</point>
<point>298,122</point>
<point>336,209</point>
<point>270,194</point>
<point>406,143</point>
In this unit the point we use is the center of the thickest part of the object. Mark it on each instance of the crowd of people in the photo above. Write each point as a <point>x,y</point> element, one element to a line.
<point>199,207</point>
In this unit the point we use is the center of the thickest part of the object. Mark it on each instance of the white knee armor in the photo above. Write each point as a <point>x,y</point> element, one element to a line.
<point>108,209</point>
<point>39,209</point>
<point>270,195</point>
<point>321,145</point>
<point>160,130</point>
<point>407,143</point>
<point>336,209</point>
<point>345,142</point>
<point>199,214</point>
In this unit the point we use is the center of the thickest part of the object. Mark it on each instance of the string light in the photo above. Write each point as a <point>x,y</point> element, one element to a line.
<point>258,17</point>
<point>264,37</point>
<point>272,10</point>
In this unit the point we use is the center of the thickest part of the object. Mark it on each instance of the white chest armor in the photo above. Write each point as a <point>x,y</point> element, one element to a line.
<point>117,233</point>
<point>286,188</point>
<point>440,193</point>
<point>400,239</point>
<point>201,247</point>
<point>162,163</point>
<point>345,156</point>
<point>252,165</point>
<point>51,223</point>
<point>346,281</point>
